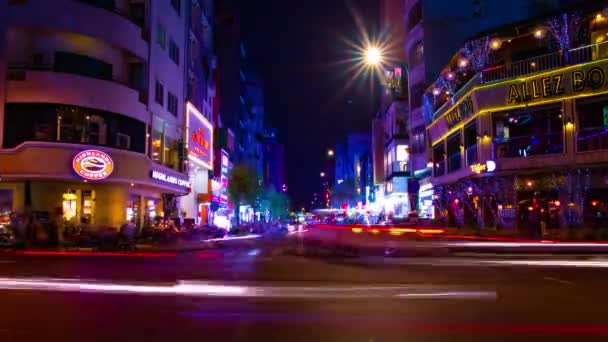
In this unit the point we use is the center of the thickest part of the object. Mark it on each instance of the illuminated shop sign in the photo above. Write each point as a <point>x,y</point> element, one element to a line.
<point>93,165</point>
<point>199,140</point>
<point>224,176</point>
<point>489,166</point>
<point>462,111</point>
<point>557,84</point>
<point>163,177</point>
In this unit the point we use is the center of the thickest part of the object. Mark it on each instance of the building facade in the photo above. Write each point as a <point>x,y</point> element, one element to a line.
<point>201,118</point>
<point>91,123</point>
<point>521,142</point>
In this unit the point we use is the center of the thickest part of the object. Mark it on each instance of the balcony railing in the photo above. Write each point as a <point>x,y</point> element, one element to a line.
<point>135,14</point>
<point>17,72</point>
<point>399,166</point>
<point>439,168</point>
<point>454,162</point>
<point>523,67</point>
<point>470,155</point>
<point>548,61</point>
<point>592,139</point>
<point>526,146</point>
<point>442,106</point>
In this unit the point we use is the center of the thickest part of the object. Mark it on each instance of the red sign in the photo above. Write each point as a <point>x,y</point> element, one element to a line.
<point>200,138</point>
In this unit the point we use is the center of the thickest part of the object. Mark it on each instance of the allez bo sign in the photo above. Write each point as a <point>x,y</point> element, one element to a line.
<point>558,84</point>
<point>93,165</point>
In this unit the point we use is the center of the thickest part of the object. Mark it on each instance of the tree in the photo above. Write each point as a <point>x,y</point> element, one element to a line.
<point>276,203</point>
<point>243,188</point>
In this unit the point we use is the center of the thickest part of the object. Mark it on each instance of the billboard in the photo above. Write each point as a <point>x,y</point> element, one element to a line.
<point>199,138</point>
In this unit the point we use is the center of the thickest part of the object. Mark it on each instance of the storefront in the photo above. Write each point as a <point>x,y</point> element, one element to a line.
<point>71,184</point>
<point>199,147</point>
<point>425,199</point>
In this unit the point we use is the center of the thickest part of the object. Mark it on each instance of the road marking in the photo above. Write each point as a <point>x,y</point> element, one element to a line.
<point>565,282</point>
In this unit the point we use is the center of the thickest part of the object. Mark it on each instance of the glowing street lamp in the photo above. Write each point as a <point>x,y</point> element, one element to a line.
<point>322,174</point>
<point>330,153</point>
<point>373,56</point>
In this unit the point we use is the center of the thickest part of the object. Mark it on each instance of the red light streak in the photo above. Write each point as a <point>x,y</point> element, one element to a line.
<point>93,253</point>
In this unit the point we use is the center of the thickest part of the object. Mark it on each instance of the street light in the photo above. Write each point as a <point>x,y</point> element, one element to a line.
<point>330,153</point>
<point>373,56</point>
<point>322,174</point>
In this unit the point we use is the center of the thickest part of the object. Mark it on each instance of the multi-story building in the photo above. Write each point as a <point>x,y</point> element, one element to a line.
<point>519,138</point>
<point>201,153</point>
<point>91,123</point>
<point>251,139</point>
<point>434,30</point>
<point>274,161</point>
<point>353,169</point>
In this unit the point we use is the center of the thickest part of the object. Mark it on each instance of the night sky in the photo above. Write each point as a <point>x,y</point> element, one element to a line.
<point>300,49</point>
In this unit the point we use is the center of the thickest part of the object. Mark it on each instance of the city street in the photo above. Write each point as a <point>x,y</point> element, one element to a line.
<point>256,291</point>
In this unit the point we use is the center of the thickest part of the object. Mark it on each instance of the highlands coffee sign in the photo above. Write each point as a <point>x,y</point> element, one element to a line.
<point>92,165</point>
<point>558,84</point>
<point>162,177</point>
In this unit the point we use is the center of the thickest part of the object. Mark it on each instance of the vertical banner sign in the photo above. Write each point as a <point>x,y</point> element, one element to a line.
<point>199,140</point>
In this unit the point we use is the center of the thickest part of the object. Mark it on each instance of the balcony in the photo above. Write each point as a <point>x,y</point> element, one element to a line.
<point>46,86</point>
<point>470,155</point>
<point>526,146</point>
<point>592,139</point>
<point>74,16</point>
<point>545,62</point>
<point>398,167</point>
<point>454,162</point>
<point>439,169</point>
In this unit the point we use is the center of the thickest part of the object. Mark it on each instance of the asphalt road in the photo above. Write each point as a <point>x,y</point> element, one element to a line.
<point>257,293</point>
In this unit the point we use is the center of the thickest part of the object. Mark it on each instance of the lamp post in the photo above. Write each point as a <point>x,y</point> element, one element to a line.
<point>374,58</point>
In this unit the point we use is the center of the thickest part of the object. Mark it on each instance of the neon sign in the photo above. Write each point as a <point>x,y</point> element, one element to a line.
<point>489,166</point>
<point>93,165</point>
<point>160,176</point>
<point>199,139</point>
<point>556,85</point>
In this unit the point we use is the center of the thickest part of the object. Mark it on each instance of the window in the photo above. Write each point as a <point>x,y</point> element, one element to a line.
<point>72,63</point>
<point>71,124</point>
<point>416,54</point>
<point>454,157</point>
<point>528,132</point>
<point>172,103</point>
<point>592,130</point>
<point>419,143</point>
<point>177,5</point>
<point>156,145</point>
<point>159,93</point>
<point>170,151</point>
<point>414,16</point>
<point>123,141</point>
<point>470,143</point>
<point>161,35</point>
<point>439,159</point>
<point>173,51</point>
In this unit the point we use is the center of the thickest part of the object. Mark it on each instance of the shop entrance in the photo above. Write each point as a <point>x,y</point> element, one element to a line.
<point>6,206</point>
<point>78,206</point>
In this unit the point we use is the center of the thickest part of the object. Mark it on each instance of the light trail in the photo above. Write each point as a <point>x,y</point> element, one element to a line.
<point>191,288</point>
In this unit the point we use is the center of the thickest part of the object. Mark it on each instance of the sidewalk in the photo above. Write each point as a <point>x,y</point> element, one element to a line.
<point>180,246</point>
